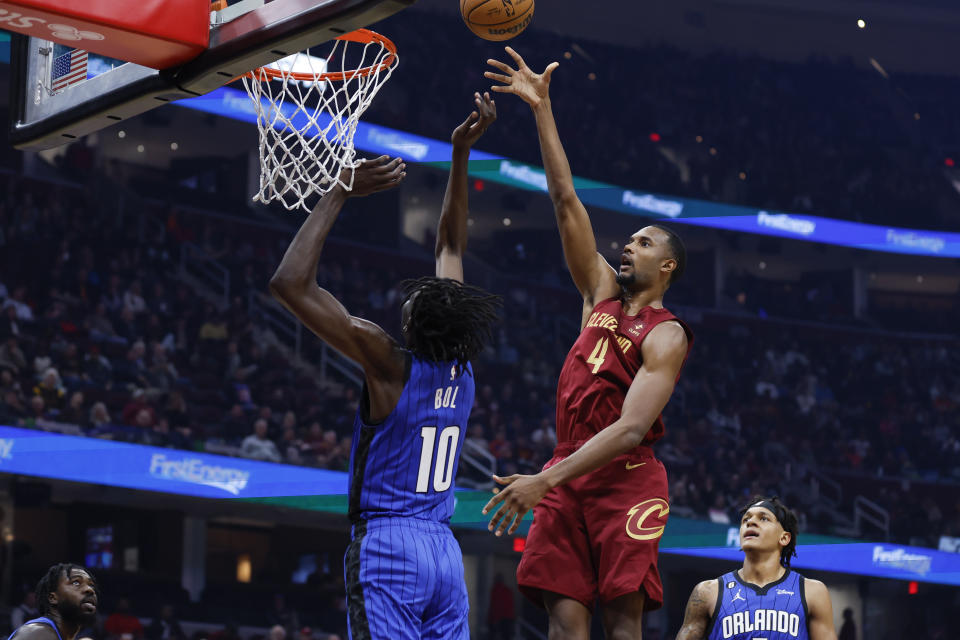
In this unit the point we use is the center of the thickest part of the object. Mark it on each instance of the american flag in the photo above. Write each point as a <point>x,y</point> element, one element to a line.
<point>69,69</point>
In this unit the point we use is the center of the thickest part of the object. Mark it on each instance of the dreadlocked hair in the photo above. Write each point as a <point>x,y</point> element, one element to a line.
<point>51,580</point>
<point>449,320</point>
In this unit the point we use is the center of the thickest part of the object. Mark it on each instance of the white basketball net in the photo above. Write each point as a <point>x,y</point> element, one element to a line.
<point>307,126</point>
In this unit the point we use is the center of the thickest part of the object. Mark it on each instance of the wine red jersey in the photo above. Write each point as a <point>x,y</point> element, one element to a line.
<point>600,368</point>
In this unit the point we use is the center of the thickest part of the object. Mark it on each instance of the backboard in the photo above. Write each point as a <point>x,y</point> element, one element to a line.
<point>243,36</point>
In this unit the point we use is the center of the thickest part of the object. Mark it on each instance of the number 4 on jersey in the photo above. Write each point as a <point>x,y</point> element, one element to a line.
<point>446,452</point>
<point>599,353</point>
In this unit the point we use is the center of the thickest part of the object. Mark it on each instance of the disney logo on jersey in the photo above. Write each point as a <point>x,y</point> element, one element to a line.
<point>647,520</point>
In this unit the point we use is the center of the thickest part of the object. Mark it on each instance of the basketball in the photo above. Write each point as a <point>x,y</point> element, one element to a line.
<point>496,19</point>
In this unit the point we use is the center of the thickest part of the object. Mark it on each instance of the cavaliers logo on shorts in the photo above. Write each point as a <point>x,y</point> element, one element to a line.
<point>644,519</point>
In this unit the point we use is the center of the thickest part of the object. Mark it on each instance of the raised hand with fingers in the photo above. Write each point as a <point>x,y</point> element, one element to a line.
<point>477,122</point>
<point>374,175</point>
<point>533,88</point>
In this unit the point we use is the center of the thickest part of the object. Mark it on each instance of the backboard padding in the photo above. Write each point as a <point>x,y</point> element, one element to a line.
<point>253,39</point>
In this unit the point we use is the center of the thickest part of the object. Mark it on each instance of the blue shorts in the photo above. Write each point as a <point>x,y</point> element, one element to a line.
<point>404,580</point>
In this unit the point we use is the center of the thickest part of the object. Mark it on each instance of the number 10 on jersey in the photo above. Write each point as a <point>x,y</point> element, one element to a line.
<point>445,448</point>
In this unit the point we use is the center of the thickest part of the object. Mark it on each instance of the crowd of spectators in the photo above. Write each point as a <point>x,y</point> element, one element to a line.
<point>823,137</point>
<point>100,337</point>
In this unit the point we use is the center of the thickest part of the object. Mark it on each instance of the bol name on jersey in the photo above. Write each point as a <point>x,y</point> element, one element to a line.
<point>744,611</point>
<point>405,465</point>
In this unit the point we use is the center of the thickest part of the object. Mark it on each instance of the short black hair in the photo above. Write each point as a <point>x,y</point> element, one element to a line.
<point>51,580</point>
<point>449,321</point>
<point>786,518</point>
<point>677,248</point>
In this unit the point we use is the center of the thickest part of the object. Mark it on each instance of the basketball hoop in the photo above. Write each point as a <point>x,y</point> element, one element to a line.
<point>308,115</point>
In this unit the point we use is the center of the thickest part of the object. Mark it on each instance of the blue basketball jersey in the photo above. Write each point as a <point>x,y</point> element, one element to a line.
<point>406,464</point>
<point>41,620</point>
<point>744,611</point>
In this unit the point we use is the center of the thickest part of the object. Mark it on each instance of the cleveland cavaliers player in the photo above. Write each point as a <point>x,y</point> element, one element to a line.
<point>600,504</point>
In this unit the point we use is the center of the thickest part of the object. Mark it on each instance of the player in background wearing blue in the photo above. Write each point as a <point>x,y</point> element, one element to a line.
<point>66,601</point>
<point>765,599</point>
<point>403,567</point>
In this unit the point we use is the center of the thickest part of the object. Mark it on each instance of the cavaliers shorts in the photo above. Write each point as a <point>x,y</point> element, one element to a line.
<point>404,579</point>
<point>596,537</point>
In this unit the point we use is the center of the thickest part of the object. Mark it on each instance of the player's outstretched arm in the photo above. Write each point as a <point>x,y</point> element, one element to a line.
<point>452,229</point>
<point>664,350</point>
<point>819,611</point>
<point>699,611</point>
<point>594,277</point>
<point>295,282</point>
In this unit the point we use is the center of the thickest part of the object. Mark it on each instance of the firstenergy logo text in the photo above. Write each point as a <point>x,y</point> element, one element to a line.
<point>194,471</point>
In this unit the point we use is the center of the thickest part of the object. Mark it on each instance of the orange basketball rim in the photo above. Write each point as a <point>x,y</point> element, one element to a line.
<point>360,36</point>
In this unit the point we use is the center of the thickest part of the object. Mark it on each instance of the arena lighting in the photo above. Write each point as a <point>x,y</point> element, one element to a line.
<point>140,148</point>
<point>174,146</point>
<point>244,568</point>
<point>121,134</point>
<point>912,588</point>
<point>861,23</point>
<point>507,222</point>
<point>654,137</point>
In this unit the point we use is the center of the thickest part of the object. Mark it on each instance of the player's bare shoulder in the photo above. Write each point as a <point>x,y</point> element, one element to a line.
<point>673,329</point>
<point>666,342</point>
<point>816,592</point>
<point>705,595</point>
<point>700,609</point>
<point>819,610</point>
<point>37,631</point>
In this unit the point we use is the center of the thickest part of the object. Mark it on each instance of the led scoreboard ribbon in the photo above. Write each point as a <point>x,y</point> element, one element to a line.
<point>413,148</point>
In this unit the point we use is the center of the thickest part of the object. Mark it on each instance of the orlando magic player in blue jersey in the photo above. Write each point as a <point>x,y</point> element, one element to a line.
<point>66,601</point>
<point>765,599</point>
<point>403,568</point>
